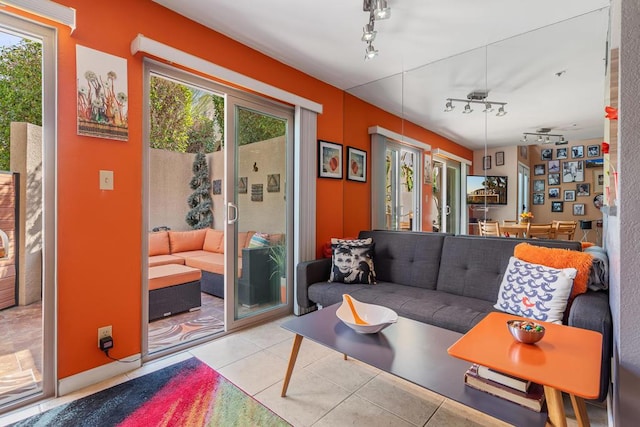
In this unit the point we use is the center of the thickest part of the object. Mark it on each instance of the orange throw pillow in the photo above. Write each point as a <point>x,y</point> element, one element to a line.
<point>559,258</point>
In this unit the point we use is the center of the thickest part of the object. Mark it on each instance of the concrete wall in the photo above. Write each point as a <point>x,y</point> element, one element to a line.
<point>26,159</point>
<point>171,172</point>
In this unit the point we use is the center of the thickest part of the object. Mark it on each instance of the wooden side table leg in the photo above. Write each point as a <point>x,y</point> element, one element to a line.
<point>557,417</point>
<point>344,356</point>
<point>292,362</point>
<point>580,408</point>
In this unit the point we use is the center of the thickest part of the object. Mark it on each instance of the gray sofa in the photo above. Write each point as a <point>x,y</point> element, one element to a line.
<point>447,281</point>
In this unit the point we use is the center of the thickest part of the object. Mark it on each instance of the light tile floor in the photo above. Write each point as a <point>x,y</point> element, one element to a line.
<point>325,390</point>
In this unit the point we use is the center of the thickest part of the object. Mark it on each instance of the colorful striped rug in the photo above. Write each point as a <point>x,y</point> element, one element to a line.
<point>188,393</point>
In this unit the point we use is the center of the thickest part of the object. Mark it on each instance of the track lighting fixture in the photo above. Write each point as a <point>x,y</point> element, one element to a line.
<point>476,97</point>
<point>543,136</point>
<point>378,9</point>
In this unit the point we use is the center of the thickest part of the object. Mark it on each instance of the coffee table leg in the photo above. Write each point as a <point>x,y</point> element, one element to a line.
<point>580,408</point>
<point>292,362</point>
<point>557,417</point>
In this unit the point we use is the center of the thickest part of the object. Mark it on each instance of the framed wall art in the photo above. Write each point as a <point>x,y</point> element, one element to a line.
<point>356,165</point>
<point>329,159</point>
<point>486,162</point>
<point>273,183</point>
<point>500,158</point>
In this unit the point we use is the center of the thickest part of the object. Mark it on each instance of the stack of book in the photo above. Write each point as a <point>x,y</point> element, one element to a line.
<point>517,390</point>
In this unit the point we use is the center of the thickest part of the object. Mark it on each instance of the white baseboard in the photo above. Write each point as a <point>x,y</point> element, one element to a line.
<point>93,376</point>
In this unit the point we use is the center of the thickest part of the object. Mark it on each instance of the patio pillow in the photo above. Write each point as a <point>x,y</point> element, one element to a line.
<point>535,291</point>
<point>259,240</point>
<point>352,261</point>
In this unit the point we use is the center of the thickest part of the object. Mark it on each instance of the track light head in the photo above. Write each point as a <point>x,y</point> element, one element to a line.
<point>487,108</point>
<point>524,138</point>
<point>381,10</point>
<point>501,111</point>
<point>449,106</point>
<point>467,109</point>
<point>368,33</point>
<point>370,52</point>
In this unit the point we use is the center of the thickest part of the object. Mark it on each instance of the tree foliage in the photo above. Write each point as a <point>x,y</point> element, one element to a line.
<point>170,113</point>
<point>200,214</point>
<point>254,126</point>
<point>20,90</point>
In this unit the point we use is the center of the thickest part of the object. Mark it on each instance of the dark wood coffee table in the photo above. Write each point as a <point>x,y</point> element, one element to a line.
<point>408,349</point>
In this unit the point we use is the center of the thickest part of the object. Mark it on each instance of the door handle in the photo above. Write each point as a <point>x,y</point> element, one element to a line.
<point>232,208</point>
<point>448,210</point>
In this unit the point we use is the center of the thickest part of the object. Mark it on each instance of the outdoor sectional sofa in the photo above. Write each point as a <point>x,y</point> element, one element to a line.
<point>447,281</point>
<point>203,250</point>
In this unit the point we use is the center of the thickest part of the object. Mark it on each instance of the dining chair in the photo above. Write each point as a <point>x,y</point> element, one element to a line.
<point>539,231</point>
<point>513,230</point>
<point>564,228</point>
<point>489,228</point>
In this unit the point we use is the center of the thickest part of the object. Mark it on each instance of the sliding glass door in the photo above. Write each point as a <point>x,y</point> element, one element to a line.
<point>402,194</point>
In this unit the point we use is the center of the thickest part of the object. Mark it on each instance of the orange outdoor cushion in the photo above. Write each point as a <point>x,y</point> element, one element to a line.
<point>164,259</point>
<point>213,263</point>
<point>163,276</point>
<point>559,258</point>
<point>182,241</point>
<point>159,243</point>
<point>244,237</point>
<point>214,241</point>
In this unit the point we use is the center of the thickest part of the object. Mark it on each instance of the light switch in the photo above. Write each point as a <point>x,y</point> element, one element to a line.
<point>106,180</point>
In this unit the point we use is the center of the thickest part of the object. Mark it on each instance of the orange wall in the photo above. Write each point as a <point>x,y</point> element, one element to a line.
<point>99,232</point>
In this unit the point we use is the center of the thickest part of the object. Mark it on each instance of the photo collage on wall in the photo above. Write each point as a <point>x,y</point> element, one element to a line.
<point>565,165</point>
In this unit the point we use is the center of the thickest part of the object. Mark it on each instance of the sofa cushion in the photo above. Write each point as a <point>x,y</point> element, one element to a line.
<point>159,243</point>
<point>171,274</point>
<point>352,261</point>
<point>190,254</point>
<point>259,240</point>
<point>191,240</point>
<point>535,291</point>
<point>244,237</point>
<point>425,305</point>
<point>212,262</point>
<point>164,259</point>
<point>406,258</point>
<point>214,241</point>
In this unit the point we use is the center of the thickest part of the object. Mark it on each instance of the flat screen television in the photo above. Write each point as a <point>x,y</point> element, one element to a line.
<point>486,190</point>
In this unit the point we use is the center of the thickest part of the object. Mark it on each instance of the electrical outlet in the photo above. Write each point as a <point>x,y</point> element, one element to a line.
<point>105,331</point>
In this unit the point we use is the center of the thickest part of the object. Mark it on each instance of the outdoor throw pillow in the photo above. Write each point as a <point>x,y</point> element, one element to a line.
<point>535,291</point>
<point>352,261</point>
<point>259,240</point>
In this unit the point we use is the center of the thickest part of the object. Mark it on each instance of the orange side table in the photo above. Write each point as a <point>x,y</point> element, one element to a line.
<point>566,359</point>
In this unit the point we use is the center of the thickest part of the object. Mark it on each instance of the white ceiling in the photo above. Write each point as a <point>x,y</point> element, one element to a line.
<point>433,50</point>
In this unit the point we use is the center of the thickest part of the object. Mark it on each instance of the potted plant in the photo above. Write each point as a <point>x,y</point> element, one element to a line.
<point>278,256</point>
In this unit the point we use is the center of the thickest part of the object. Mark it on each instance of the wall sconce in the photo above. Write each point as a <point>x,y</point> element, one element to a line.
<point>476,97</point>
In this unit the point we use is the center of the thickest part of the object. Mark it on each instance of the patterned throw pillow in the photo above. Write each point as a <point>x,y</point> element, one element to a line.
<point>259,240</point>
<point>535,291</point>
<point>352,261</point>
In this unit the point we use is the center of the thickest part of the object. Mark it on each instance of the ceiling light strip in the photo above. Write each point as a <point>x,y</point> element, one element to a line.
<point>171,54</point>
<point>47,9</point>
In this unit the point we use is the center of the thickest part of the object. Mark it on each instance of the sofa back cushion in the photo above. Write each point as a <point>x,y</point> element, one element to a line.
<point>406,258</point>
<point>214,241</point>
<point>159,243</point>
<point>191,240</point>
<point>473,266</point>
<point>244,238</point>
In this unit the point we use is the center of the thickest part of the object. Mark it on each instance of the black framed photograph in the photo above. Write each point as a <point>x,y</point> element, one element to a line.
<point>356,165</point>
<point>573,171</point>
<point>577,152</point>
<point>553,179</point>
<point>539,169</point>
<point>561,153</point>
<point>554,193</point>
<point>538,185</point>
<point>593,150</point>
<point>594,163</point>
<point>557,206</point>
<point>486,162</point>
<point>554,166</point>
<point>569,195</point>
<point>546,153</point>
<point>329,159</point>
<point>578,209</point>
<point>583,189</point>
<point>500,158</point>
<point>538,198</point>
<point>598,180</point>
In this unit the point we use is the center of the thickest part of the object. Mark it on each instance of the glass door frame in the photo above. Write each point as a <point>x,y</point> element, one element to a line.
<point>235,99</point>
<point>448,159</point>
<point>524,189</point>
<point>48,37</point>
<point>396,211</point>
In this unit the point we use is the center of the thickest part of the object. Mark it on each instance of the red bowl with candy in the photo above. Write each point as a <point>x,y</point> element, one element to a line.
<point>525,331</point>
